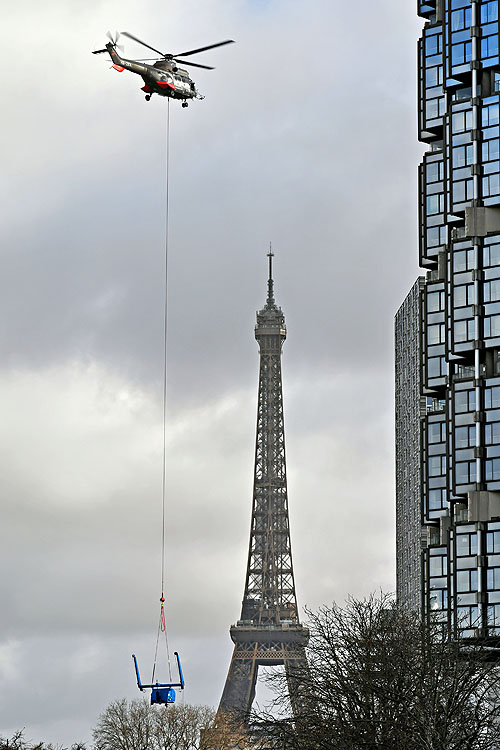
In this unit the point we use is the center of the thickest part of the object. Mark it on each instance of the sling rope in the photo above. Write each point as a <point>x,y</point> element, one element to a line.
<point>162,628</point>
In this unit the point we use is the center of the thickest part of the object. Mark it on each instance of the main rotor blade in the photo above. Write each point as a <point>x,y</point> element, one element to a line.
<point>194,65</point>
<point>154,59</point>
<point>131,36</point>
<point>202,49</point>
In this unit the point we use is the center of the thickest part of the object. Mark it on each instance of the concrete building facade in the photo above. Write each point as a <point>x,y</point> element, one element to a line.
<point>410,534</point>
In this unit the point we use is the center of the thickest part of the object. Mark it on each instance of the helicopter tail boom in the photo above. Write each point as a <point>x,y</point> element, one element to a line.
<point>123,63</point>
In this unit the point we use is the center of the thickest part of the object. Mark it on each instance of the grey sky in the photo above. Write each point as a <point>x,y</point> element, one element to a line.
<point>306,138</point>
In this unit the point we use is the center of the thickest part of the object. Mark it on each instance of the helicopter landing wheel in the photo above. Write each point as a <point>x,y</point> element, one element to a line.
<point>184,104</point>
<point>147,97</point>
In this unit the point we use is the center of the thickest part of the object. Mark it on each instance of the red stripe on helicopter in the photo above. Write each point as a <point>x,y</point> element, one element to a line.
<point>118,68</point>
<point>165,84</point>
<point>145,88</point>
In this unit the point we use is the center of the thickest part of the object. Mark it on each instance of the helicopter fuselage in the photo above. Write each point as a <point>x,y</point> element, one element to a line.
<point>163,78</point>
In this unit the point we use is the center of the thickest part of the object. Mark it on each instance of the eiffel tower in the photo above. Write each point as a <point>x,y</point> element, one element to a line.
<point>268,632</point>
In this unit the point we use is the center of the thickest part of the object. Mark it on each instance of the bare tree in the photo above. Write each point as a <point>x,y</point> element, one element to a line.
<point>180,727</point>
<point>378,678</point>
<point>139,726</point>
<point>17,742</point>
<point>226,732</point>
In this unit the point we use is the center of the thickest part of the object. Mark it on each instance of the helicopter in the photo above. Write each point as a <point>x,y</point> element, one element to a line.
<point>164,76</point>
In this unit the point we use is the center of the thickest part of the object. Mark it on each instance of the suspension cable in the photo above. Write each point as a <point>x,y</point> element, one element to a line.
<point>162,624</point>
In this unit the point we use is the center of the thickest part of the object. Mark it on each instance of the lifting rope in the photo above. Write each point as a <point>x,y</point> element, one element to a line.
<point>162,628</point>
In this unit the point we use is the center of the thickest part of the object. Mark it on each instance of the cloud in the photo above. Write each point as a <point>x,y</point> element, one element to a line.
<point>306,138</point>
<point>81,482</point>
<point>307,149</point>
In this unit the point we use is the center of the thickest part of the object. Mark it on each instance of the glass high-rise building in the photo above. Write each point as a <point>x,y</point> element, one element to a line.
<point>448,332</point>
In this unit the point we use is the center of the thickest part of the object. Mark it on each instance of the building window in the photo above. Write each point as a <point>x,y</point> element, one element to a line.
<point>436,367</point>
<point>434,171</point>
<point>461,121</point>
<point>465,472</point>
<point>436,236</point>
<point>491,290</point>
<point>435,204</point>
<point>466,580</point>
<point>489,11</point>
<point>462,92</point>
<point>438,501</point>
<point>462,156</point>
<point>465,401</point>
<point>437,466</point>
<point>492,397</point>
<point>493,579</point>
<point>468,617</point>
<point>435,301</point>
<point>493,614</point>
<point>437,432</point>
<point>491,184</point>
<point>465,437</point>
<point>492,469</point>
<point>461,53</point>
<point>491,255</point>
<point>433,405</point>
<point>436,333</point>
<point>463,330</point>
<point>491,150</point>
<point>463,191</point>
<point>493,542</point>
<point>490,113</point>
<point>434,77</point>
<point>489,46</point>
<point>438,599</point>
<point>467,544</point>
<point>492,433</point>
<point>433,45</point>
<point>438,566</point>
<point>464,295</point>
<point>460,19</point>
<point>464,260</point>
<point>435,108</point>
<point>492,326</point>
<point>464,371</point>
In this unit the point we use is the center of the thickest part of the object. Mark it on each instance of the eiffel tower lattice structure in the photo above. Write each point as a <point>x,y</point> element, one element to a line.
<point>269,632</point>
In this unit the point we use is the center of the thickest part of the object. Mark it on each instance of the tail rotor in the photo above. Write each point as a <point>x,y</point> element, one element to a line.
<point>114,39</point>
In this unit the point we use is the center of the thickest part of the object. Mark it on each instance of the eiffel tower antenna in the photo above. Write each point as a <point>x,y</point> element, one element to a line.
<point>268,632</point>
<point>270,282</point>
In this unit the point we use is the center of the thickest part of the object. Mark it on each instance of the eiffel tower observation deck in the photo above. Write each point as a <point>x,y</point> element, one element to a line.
<point>268,632</point>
